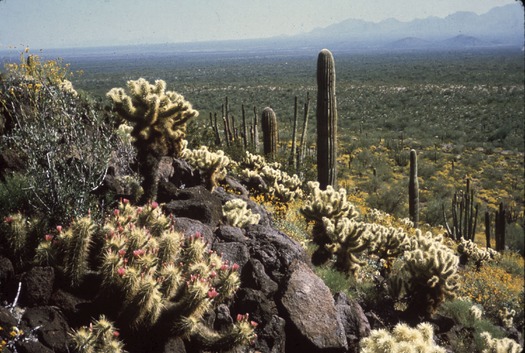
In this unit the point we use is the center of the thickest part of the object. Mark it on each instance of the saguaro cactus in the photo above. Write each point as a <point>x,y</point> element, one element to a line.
<point>413,190</point>
<point>326,120</point>
<point>269,126</point>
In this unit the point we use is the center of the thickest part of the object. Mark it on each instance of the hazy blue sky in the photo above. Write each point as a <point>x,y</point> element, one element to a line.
<point>65,23</point>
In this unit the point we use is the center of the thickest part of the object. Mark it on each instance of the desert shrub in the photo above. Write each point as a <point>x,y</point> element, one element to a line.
<point>515,238</point>
<point>13,194</point>
<point>495,289</point>
<point>66,142</point>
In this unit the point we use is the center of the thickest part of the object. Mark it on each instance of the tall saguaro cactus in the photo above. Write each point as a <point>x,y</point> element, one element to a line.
<point>413,190</point>
<point>269,127</point>
<point>326,120</point>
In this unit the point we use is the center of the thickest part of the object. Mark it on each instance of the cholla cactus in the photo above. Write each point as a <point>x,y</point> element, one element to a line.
<point>277,183</point>
<point>499,345</point>
<point>211,165</point>
<point>327,203</point>
<point>387,243</point>
<point>348,238</point>
<point>429,273</point>
<point>163,278</point>
<point>69,249</point>
<point>159,124</point>
<point>237,213</point>
<point>471,251</point>
<point>100,336</point>
<point>507,317</point>
<point>402,339</point>
<point>476,312</point>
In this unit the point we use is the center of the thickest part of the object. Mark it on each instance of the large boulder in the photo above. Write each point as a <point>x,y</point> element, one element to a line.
<point>354,321</point>
<point>195,203</point>
<point>313,321</point>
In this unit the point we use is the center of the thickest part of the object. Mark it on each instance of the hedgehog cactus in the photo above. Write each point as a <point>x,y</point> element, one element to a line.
<point>326,120</point>
<point>163,278</point>
<point>159,124</point>
<point>413,190</point>
<point>101,336</point>
<point>270,137</point>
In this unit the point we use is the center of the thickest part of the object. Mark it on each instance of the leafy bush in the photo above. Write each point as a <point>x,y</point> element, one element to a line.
<point>65,141</point>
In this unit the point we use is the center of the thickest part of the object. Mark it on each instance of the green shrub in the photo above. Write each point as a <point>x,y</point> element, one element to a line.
<point>64,140</point>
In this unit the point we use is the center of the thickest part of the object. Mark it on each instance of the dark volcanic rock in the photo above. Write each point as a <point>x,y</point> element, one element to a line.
<point>274,250</point>
<point>354,321</point>
<point>233,252</point>
<point>190,227</point>
<point>228,233</point>
<point>32,347</point>
<point>314,324</point>
<point>37,286</point>
<point>52,327</point>
<point>195,203</point>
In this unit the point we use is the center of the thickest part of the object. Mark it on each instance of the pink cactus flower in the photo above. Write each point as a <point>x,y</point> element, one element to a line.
<point>121,271</point>
<point>49,237</point>
<point>235,266</point>
<point>116,212</point>
<point>212,293</point>
<point>59,229</point>
<point>154,205</point>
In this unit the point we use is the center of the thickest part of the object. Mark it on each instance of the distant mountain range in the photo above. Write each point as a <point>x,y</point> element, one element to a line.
<point>501,26</point>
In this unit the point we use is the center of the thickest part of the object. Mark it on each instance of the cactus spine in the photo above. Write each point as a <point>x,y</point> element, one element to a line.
<point>413,190</point>
<point>326,120</point>
<point>269,126</point>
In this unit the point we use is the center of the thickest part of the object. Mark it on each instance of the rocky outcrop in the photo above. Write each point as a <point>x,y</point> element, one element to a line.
<point>293,308</point>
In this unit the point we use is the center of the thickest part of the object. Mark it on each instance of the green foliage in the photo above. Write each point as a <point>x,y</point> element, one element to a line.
<point>402,339</point>
<point>13,194</point>
<point>63,139</point>
<point>237,213</point>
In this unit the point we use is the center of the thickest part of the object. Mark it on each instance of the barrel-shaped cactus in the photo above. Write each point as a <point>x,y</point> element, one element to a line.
<point>326,120</point>
<point>269,127</point>
<point>413,190</point>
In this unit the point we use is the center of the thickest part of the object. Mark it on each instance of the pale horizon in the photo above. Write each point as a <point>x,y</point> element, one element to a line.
<point>50,24</point>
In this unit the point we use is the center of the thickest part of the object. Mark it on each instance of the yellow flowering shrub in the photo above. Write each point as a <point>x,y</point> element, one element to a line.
<point>494,289</point>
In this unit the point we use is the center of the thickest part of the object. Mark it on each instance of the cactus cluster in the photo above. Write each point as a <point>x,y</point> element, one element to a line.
<point>237,213</point>
<point>499,345</point>
<point>159,124</point>
<point>275,182</point>
<point>387,243</point>
<point>335,232</point>
<point>211,165</point>
<point>164,277</point>
<point>428,275</point>
<point>100,336</point>
<point>402,339</point>
<point>68,249</point>
<point>470,251</point>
